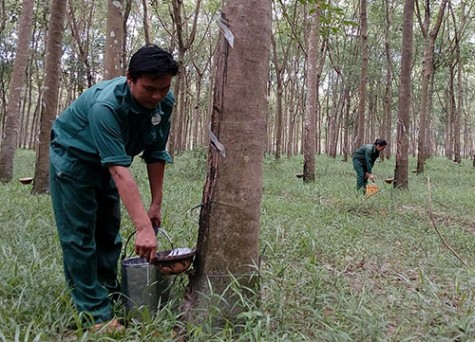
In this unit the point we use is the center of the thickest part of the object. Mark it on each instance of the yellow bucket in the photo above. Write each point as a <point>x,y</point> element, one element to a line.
<point>371,189</point>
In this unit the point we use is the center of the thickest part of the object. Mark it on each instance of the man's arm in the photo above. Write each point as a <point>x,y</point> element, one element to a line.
<point>146,242</point>
<point>156,172</point>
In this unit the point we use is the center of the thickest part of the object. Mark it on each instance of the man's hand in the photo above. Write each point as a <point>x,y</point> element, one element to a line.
<point>146,243</point>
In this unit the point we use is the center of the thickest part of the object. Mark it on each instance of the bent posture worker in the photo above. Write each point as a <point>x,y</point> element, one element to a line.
<point>363,162</point>
<point>93,143</point>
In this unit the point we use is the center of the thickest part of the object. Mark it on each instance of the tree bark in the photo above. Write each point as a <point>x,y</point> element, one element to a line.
<point>360,138</point>
<point>279,113</point>
<point>15,91</point>
<point>311,106</point>
<point>451,114</point>
<point>146,26</point>
<point>228,241</point>
<point>115,33</point>
<point>196,114</point>
<point>387,121</point>
<point>177,136</point>
<point>49,105</point>
<point>427,70</point>
<point>82,41</point>
<point>460,88</point>
<point>401,173</point>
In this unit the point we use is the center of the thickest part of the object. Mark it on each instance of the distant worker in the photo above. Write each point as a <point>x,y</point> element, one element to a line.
<point>93,143</point>
<point>363,162</point>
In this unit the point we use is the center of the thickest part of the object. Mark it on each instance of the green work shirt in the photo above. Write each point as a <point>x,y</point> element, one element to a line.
<point>367,155</point>
<point>105,126</point>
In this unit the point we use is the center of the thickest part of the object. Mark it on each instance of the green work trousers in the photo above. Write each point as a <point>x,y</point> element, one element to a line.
<point>361,180</point>
<point>87,217</point>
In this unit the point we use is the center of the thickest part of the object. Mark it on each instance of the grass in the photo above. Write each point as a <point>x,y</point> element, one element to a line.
<point>335,266</point>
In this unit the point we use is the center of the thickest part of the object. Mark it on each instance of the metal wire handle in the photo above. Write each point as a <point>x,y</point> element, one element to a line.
<point>156,230</point>
<point>164,232</point>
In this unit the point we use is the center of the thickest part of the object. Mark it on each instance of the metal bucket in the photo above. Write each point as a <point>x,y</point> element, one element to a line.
<point>143,287</point>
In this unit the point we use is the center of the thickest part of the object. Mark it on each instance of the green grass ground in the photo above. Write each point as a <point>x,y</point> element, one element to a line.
<point>335,266</point>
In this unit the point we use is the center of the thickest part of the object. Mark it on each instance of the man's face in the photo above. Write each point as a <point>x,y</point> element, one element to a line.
<point>149,92</point>
<point>380,147</point>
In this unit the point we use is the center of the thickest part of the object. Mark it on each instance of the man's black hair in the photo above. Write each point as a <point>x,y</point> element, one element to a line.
<point>380,142</point>
<point>152,61</point>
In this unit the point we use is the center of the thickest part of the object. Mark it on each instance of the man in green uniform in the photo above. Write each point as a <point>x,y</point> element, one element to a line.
<point>363,162</point>
<point>93,143</point>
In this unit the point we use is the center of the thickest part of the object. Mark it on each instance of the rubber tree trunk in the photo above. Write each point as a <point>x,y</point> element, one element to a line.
<point>12,126</point>
<point>427,71</point>
<point>401,172</point>
<point>113,51</point>
<point>49,105</point>
<point>360,138</point>
<point>228,240</point>
<point>311,105</point>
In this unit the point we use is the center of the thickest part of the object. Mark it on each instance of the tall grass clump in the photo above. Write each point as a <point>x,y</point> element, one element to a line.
<point>335,265</point>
